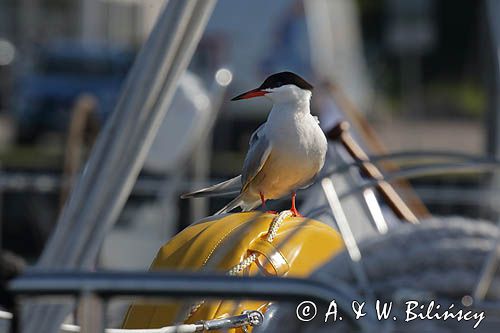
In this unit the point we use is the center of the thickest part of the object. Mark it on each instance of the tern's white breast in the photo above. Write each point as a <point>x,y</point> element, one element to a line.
<point>298,153</point>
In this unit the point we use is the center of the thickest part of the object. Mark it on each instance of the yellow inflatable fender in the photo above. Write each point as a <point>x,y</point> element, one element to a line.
<point>248,243</point>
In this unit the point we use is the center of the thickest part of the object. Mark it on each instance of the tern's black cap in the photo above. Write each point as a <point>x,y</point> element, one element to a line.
<point>284,78</point>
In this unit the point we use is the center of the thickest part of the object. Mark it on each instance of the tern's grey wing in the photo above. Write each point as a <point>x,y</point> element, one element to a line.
<point>256,134</point>
<point>258,152</point>
<point>231,186</point>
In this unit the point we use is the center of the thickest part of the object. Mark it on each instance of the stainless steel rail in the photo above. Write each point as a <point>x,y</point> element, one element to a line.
<point>24,181</point>
<point>427,170</point>
<point>121,147</point>
<point>455,157</point>
<point>174,284</point>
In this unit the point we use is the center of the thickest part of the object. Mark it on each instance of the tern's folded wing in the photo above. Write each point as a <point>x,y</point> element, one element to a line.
<point>258,153</point>
<point>229,187</point>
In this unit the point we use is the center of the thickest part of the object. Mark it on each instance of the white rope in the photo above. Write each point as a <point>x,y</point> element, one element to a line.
<point>276,224</point>
<point>242,265</point>
<point>271,234</point>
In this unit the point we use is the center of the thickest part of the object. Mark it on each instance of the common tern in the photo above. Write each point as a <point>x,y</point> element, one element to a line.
<point>286,152</point>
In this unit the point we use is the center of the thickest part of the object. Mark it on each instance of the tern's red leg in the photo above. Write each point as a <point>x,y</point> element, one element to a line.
<point>294,209</point>
<point>263,201</point>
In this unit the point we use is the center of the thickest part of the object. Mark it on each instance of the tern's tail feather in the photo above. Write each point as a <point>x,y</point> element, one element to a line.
<point>231,186</point>
<point>243,200</point>
<point>236,202</point>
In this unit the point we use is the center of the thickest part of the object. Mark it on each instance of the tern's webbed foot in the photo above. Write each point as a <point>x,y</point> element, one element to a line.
<point>295,212</point>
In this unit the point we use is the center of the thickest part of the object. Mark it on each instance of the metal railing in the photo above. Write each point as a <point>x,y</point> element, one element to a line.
<point>100,287</point>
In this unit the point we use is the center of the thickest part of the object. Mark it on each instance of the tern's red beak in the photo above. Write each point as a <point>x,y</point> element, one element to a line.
<point>250,94</point>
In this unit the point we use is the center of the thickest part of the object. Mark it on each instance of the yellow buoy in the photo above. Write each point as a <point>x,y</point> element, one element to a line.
<point>248,243</point>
